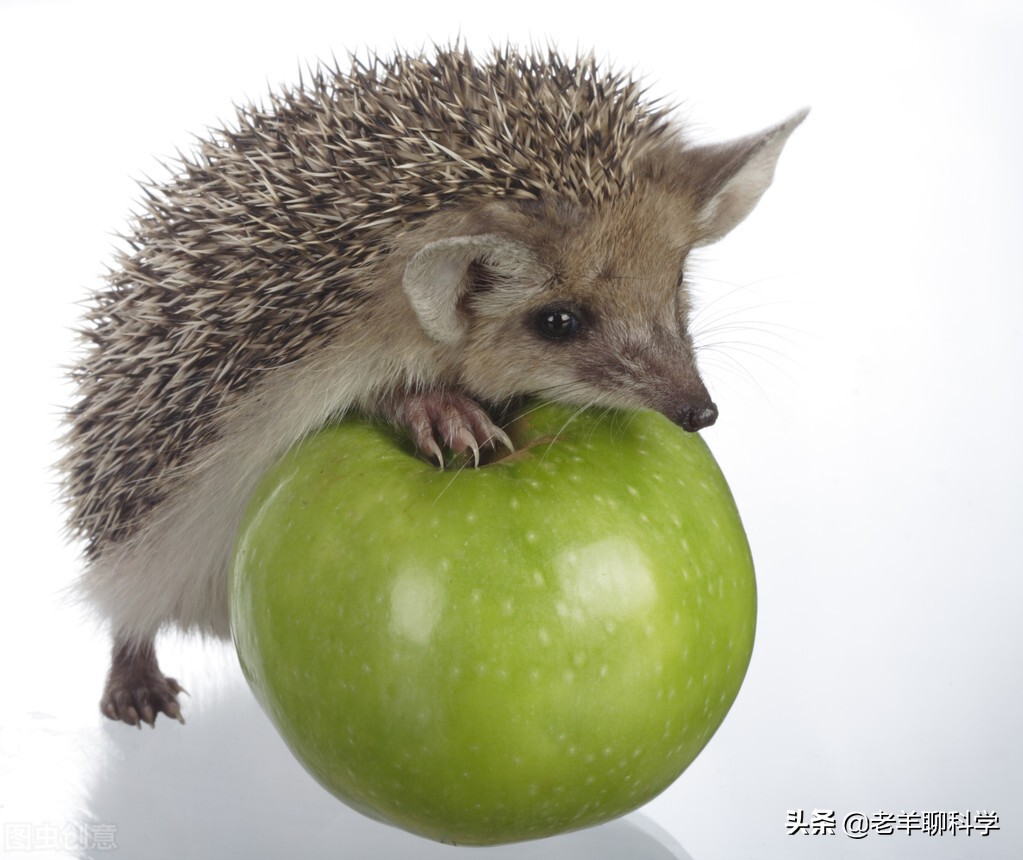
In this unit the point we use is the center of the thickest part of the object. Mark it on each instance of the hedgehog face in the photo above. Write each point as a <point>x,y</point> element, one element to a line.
<point>608,325</point>
<point>585,301</point>
<point>586,306</point>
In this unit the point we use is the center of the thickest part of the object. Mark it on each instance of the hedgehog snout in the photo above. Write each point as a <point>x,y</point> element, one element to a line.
<point>695,416</point>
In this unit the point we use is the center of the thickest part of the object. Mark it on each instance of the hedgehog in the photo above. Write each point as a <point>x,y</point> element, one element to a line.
<point>423,239</point>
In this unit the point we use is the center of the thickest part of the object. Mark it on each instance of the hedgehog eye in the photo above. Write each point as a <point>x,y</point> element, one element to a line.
<point>557,323</point>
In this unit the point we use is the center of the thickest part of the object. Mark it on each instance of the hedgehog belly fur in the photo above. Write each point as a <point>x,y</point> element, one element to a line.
<point>174,569</point>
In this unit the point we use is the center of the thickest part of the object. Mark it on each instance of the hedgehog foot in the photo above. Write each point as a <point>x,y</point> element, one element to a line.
<point>445,419</point>
<point>136,689</point>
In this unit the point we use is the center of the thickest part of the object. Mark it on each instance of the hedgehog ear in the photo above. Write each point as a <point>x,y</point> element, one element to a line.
<point>441,276</point>
<point>731,177</point>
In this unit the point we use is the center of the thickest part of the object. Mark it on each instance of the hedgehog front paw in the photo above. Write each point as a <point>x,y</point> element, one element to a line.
<point>445,419</point>
<point>136,689</point>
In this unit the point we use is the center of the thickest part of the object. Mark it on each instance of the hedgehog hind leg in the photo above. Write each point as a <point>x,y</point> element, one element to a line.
<point>136,690</point>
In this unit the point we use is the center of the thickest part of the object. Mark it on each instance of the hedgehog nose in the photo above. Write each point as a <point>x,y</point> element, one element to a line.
<point>693,417</point>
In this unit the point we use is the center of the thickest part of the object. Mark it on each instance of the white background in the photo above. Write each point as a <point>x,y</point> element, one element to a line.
<point>863,334</point>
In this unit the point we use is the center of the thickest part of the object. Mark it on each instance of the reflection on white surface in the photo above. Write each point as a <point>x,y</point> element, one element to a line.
<point>225,785</point>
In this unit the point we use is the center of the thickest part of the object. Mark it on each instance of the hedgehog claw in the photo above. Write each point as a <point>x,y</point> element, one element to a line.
<point>433,452</point>
<point>465,441</point>
<point>499,437</point>
<point>137,691</point>
<point>445,418</point>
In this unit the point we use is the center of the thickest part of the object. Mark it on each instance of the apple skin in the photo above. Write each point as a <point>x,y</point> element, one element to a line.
<point>490,655</point>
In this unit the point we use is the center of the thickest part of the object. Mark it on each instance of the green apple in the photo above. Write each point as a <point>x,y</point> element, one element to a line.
<point>504,653</point>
